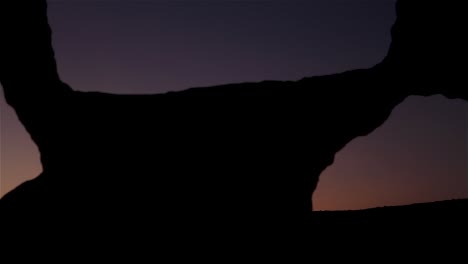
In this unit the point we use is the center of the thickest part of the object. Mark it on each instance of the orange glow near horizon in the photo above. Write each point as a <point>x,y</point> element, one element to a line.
<point>361,177</point>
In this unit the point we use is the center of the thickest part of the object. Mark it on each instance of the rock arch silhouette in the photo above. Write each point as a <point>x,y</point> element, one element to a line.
<point>255,150</point>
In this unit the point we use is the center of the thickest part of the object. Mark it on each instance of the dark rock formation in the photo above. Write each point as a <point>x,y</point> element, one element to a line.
<point>225,160</point>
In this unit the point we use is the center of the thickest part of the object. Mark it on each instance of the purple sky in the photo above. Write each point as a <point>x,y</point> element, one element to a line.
<point>419,155</point>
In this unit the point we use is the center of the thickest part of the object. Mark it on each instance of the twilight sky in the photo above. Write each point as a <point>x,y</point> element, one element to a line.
<point>125,46</point>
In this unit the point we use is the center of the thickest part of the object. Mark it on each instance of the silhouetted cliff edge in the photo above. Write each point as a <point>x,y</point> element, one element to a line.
<point>247,155</point>
<point>452,212</point>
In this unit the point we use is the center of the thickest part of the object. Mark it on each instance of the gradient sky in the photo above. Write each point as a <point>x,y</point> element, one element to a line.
<point>419,155</point>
